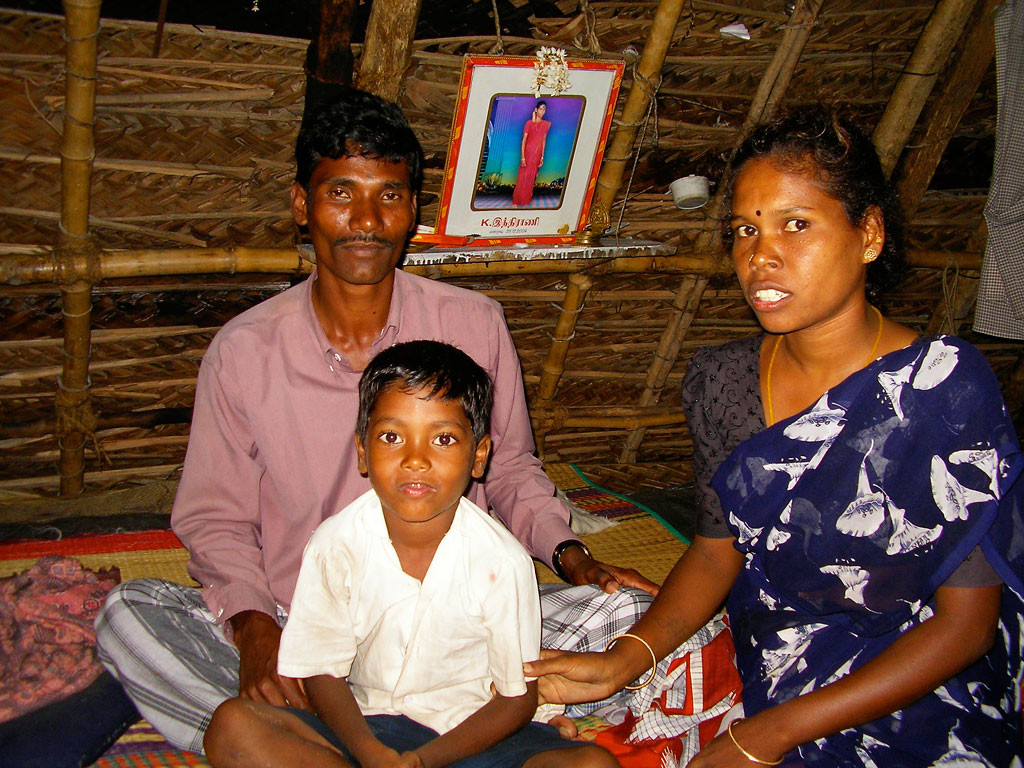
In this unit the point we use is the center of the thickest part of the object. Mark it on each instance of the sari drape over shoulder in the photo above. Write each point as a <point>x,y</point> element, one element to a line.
<point>850,515</point>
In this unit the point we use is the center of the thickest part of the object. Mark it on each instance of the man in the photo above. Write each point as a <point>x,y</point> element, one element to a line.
<point>271,452</point>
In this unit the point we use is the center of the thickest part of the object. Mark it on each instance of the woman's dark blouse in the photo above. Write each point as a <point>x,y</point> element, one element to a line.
<point>722,402</point>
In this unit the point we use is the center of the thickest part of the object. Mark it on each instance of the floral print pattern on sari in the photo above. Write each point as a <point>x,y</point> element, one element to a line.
<point>850,515</point>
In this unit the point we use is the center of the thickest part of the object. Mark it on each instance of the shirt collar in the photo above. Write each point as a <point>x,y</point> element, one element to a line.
<point>391,326</point>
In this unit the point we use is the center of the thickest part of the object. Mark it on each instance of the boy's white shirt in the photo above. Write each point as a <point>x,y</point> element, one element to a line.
<point>427,650</point>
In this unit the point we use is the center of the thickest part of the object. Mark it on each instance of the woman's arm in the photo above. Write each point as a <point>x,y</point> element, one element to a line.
<point>522,149</point>
<point>919,661</point>
<point>690,596</point>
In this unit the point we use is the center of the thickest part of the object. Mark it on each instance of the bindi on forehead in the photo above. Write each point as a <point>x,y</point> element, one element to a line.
<point>758,213</point>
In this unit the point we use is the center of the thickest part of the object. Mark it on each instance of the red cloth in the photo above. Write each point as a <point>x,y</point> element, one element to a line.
<point>47,642</point>
<point>710,680</point>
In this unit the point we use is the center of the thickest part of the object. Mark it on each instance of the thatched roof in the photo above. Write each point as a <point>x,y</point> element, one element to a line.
<point>194,148</point>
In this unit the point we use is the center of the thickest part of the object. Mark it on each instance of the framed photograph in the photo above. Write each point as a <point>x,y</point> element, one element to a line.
<point>522,167</point>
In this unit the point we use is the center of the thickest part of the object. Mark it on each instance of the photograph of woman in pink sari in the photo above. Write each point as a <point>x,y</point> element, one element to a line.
<point>534,138</point>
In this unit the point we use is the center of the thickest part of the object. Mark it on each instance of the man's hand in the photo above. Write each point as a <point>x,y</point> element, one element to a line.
<point>583,569</point>
<point>258,636</point>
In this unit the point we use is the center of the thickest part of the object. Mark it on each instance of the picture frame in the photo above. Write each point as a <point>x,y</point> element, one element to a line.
<point>511,176</point>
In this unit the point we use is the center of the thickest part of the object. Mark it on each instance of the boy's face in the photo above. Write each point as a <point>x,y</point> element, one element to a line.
<point>420,455</point>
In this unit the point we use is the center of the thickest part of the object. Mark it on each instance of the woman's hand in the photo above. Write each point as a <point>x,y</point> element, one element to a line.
<point>571,678</point>
<point>722,752</point>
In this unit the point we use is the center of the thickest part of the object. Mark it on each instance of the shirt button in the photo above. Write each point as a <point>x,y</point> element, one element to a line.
<point>337,357</point>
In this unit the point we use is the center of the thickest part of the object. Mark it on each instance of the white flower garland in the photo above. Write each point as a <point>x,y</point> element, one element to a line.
<point>550,72</point>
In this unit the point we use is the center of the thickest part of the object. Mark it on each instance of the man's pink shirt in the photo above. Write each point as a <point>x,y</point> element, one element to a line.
<point>271,451</point>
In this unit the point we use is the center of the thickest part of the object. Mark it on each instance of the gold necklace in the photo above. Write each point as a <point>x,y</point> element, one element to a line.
<point>771,364</point>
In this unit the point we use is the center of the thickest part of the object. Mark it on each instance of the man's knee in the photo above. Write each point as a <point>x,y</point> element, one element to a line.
<point>126,604</point>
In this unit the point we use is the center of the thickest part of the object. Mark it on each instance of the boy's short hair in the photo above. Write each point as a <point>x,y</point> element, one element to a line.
<point>357,123</point>
<point>447,372</point>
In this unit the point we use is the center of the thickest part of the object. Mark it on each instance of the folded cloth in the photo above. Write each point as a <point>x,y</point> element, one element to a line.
<point>47,641</point>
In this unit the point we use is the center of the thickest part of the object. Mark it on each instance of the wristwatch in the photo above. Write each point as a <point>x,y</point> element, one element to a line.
<point>556,557</point>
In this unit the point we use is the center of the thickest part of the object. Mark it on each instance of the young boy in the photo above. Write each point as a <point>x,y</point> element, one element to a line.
<point>411,602</point>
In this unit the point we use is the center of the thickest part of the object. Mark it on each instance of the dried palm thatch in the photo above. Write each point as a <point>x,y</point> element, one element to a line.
<point>193,162</point>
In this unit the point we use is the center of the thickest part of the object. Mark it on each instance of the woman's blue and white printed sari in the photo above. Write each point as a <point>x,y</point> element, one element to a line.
<point>850,515</point>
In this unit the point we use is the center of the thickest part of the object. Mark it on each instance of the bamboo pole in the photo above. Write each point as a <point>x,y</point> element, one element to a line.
<point>919,163</point>
<point>387,50</point>
<point>74,415</point>
<point>551,370</point>
<point>933,47</point>
<point>684,309</point>
<point>646,81</point>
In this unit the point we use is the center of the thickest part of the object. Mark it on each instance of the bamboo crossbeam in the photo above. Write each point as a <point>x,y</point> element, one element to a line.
<point>160,471</point>
<point>139,420</point>
<point>26,268</point>
<point>543,428</point>
<point>21,376</point>
<point>929,58</point>
<point>106,224</point>
<point>241,173</point>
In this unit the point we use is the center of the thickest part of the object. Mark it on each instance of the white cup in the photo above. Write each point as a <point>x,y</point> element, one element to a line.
<point>689,192</point>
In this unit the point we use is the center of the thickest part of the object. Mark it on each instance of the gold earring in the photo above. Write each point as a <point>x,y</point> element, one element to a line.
<point>870,256</point>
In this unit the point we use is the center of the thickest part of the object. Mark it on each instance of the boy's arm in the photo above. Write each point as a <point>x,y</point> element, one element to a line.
<point>334,703</point>
<point>498,718</point>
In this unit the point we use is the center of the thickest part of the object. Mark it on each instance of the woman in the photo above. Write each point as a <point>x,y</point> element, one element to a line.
<point>531,154</point>
<point>865,508</point>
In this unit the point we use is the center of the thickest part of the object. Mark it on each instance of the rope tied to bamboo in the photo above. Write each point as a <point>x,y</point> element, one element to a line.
<point>593,44</point>
<point>552,418</point>
<point>75,415</point>
<point>499,43</point>
<point>76,259</point>
<point>85,39</point>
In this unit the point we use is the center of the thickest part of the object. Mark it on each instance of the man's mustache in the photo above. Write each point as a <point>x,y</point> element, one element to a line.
<point>380,242</point>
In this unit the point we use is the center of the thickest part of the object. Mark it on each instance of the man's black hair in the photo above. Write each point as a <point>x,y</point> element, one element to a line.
<point>357,124</point>
<point>443,370</point>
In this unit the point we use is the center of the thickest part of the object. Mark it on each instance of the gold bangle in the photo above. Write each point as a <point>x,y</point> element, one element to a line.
<point>654,659</point>
<point>746,754</point>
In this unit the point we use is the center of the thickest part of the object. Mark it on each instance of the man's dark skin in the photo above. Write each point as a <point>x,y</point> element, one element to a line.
<point>360,212</point>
